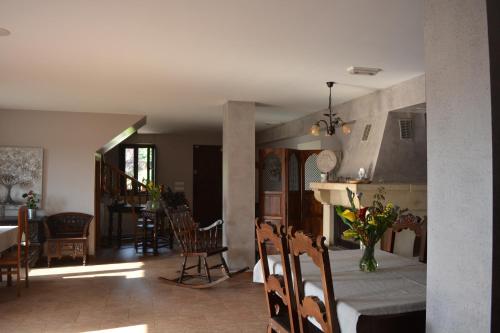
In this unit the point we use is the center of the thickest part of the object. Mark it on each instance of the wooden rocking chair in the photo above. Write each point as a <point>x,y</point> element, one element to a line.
<point>199,243</point>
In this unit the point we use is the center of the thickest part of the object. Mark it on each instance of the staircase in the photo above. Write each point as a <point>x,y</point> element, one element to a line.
<point>121,194</point>
<point>119,188</point>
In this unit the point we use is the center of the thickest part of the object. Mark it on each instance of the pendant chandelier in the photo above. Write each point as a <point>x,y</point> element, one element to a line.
<point>333,120</point>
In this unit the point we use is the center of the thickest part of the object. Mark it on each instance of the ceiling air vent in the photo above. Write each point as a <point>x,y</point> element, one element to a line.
<point>405,129</point>
<point>366,132</point>
<point>363,70</point>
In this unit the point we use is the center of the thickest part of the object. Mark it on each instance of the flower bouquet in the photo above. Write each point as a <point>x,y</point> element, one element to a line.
<point>154,192</point>
<point>32,201</point>
<point>368,224</point>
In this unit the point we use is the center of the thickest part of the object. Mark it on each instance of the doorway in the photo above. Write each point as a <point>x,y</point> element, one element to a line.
<point>207,184</point>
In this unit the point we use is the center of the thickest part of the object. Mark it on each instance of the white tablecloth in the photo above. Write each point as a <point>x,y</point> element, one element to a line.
<point>397,286</point>
<point>8,237</point>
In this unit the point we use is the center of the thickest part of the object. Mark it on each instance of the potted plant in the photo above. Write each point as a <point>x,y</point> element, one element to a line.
<point>368,224</point>
<point>32,201</point>
<point>154,192</point>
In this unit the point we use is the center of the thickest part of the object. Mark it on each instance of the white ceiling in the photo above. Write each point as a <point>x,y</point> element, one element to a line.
<point>178,61</point>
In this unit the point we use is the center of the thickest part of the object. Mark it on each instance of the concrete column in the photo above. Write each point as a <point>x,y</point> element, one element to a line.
<point>459,143</point>
<point>238,183</point>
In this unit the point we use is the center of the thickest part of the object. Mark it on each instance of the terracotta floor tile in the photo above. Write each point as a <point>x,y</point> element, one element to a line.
<point>69,303</point>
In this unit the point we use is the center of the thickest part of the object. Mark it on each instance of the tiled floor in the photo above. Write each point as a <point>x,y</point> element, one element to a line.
<point>126,296</point>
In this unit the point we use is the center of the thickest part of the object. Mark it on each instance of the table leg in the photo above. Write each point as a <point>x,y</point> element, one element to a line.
<point>155,235</point>
<point>110,228</point>
<point>119,230</point>
<point>145,237</point>
<point>170,238</point>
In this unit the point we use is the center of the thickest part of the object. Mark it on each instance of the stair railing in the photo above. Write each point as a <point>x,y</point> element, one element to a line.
<point>121,187</point>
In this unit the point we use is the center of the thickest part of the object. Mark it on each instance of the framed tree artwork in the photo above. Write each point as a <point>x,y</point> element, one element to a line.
<point>21,170</point>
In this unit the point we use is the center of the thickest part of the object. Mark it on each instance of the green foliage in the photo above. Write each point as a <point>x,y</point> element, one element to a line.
<point>154,191</point>
<point>174,199</point>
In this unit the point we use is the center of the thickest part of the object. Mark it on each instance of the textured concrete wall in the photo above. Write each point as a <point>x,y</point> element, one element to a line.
<point>459,143</point>
<point>403,160</point>
<point>370,109</point>
<point>238,182</point>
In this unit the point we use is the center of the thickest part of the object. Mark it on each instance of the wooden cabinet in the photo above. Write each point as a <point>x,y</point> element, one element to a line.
<point>284,194</point>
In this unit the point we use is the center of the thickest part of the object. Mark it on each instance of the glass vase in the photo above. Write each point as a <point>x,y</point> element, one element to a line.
<point>368,262</point>
<point>155,204</point>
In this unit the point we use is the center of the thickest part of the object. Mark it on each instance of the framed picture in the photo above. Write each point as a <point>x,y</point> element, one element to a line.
<point>21,170</point>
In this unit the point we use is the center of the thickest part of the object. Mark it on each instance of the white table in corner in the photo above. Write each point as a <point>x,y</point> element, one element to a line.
<point>398,286</point>
<point>8,237</point>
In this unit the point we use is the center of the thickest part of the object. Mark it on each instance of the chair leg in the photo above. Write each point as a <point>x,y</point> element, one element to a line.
<point>9,276</point>
<point>26,279</point>
<point>207,269</point>
<point>1,274</point>
<point>269,328</point>
<point>85,253</point>
<point>18,280</point>
<point>224,264</point>
<point>199,265</point>
<point>48,261</point>
<point>183,270</point>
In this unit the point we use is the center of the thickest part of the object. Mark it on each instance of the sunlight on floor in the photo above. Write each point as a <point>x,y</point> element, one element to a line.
<point>126,329</point>
<point>131,267</point>
<point>127,274</point>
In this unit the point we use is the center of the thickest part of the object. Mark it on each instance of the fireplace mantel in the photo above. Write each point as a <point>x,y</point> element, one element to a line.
<point>410,196</point>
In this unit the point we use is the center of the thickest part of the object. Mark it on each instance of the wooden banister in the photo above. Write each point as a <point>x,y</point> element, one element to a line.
<point>114,183</point>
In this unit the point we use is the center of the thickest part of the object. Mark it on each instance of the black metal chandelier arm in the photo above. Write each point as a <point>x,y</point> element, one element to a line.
<point>324,122</point>
<point>337,121</point>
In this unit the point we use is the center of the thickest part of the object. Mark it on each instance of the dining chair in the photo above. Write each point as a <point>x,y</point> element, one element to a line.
<point>311,309</point>
<point>278,289</point>
<point>14,260</point>
<point>143,229</point>
<point>414,225</point>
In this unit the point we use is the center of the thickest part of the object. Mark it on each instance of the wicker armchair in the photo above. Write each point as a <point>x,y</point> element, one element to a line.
<point>67,234</point>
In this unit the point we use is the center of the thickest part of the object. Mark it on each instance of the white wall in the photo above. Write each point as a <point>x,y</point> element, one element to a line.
<point>459,143</point>
<point>69,141</point>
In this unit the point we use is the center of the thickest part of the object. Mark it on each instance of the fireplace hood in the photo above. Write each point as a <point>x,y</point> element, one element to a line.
<point>390,147</point>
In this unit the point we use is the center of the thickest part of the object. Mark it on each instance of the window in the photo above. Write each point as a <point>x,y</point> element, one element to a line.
<point>138,161</point>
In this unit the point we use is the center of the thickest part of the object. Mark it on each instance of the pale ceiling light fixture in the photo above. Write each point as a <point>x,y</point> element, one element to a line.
<point>333,121</point>
<point>4,32</point>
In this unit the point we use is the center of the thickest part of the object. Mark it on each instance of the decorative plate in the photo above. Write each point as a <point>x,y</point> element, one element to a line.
<point>326,161</point>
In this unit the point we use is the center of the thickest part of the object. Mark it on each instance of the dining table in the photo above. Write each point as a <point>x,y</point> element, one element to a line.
<point>396,289</point>
<point>8,237</point>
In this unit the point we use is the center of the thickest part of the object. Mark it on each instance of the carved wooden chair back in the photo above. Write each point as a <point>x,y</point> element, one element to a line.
<point>69,224</point>
<point>416,224</point>
<point>278,288</point>
<point>324,312</point>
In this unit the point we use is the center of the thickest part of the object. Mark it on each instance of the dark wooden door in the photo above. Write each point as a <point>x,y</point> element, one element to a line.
<point>207,184</point>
